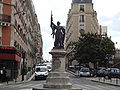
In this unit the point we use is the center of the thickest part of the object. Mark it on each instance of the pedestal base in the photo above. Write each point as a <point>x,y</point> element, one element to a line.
<point>58,79</point>
<point>54,89</point>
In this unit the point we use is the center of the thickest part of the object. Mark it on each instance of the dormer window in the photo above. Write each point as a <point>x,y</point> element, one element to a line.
<point>82,8</point>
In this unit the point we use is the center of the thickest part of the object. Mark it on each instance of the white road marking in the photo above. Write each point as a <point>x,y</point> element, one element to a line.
<point>26,89</point>
<point>80,86</point>
<point>13,86</point>
<point>36,85</point>
<point>25,85</point>
<point>97,88</point>
<point>0,84</point>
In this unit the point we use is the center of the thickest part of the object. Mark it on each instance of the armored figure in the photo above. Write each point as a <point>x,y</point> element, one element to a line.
<point>59,33</point>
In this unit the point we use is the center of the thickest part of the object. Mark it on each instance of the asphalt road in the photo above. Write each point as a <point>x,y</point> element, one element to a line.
<point>80,82</point>
<point>87,84</point>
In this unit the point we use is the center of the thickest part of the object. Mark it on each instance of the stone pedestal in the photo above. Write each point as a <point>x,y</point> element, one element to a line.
<point>57,79</point>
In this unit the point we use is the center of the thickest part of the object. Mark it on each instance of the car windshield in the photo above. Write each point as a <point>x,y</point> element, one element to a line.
<point>41,69</point>
<point>84,70</point>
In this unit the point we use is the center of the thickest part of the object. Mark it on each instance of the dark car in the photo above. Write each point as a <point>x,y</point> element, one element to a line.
<point>93,72</point>
<point>112,73</point>
<point>101,72</point>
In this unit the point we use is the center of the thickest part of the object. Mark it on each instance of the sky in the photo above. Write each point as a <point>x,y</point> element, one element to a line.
<point>108,14</point>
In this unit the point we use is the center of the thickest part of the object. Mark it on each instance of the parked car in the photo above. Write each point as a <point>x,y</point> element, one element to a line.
<point>72,68</point>
<point>100,72</point>
<point>49,66</point>
<point>85,72</point>
<point>112,73</point>
<point>41,72</point>
<point>93,72</point>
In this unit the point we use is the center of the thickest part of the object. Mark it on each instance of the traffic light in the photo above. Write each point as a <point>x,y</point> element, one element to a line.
<point>23,54</point>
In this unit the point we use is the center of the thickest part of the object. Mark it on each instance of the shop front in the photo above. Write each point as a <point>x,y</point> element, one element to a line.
<point>10,59</point>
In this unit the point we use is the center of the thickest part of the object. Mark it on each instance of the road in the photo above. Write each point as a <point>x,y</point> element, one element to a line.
<point>81,82</point>
<point>87,84</point>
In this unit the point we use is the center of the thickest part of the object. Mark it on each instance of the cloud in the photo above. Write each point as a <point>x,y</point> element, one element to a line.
<point>108,15</point>
<point>107,8</point>
<point>119,18</point>
<point>43,9</point>
<point>115,36</point>
<point>47,44</point>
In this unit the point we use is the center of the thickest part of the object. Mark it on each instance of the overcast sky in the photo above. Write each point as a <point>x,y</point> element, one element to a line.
<point>108,15</point>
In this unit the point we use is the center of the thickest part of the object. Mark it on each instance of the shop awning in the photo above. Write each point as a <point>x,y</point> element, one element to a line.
<point>9,53</point>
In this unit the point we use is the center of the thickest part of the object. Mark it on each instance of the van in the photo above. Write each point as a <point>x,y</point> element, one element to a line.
<point>41,72</point>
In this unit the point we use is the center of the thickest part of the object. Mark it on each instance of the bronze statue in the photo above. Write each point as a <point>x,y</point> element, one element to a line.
<point>59,33</point>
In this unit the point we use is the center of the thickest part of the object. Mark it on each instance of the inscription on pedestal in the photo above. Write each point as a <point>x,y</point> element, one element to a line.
<point>56,64</point>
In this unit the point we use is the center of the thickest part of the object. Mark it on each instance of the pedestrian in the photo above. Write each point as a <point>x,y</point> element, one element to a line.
<point>4,75</point>
<point>1,74</point>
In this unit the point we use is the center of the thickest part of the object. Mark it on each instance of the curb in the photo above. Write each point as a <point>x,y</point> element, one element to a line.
<point>71,72</point>
<point>105,83</point>
<point>19,82</point>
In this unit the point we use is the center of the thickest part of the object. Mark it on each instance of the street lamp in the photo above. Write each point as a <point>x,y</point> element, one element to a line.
<point>23,68</point>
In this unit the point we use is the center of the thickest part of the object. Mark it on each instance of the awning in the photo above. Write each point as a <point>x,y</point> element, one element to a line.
<point>9,53</point>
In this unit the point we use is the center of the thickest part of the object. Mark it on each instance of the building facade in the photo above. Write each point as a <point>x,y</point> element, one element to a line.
<point>20,36</point>
<point>82,18</point>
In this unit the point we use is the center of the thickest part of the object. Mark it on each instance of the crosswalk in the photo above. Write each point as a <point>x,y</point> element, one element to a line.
<point>29,86</point>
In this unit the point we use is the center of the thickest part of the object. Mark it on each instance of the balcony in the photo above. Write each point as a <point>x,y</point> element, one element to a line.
<point>5,18</point>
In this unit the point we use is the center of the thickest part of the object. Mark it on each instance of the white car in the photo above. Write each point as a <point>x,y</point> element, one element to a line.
<point>49,66</point>
<point>41,72</point>
<point>85,72</point>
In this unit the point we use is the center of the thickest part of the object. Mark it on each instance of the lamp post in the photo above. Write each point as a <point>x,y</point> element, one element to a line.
<point>23,68</point>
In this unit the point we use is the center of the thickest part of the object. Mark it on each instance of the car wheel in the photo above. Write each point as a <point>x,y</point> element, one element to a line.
<point>91,75</point>
<point>106,77</point>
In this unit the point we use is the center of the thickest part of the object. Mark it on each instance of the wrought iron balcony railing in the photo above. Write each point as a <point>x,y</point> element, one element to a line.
<point>5,18</point>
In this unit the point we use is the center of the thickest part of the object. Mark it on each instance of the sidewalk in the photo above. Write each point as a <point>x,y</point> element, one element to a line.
<point>113,81</point>
<point>18,81</point>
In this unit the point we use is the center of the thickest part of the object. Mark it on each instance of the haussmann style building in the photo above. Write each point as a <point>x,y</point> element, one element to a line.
<point>82,18</point>
<point>20,37</point>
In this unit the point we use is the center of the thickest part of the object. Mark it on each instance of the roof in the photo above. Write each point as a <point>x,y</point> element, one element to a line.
<point>82,1</point>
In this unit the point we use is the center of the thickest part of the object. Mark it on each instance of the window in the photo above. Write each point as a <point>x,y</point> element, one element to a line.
<point>82,27</point>
<point>82,8</point>
<point>18,26</point>
<point>82,18</point>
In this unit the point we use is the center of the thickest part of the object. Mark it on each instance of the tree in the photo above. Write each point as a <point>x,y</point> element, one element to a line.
<point>92,48</point>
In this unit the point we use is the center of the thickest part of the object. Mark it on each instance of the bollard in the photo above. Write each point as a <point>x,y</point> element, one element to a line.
<point>103,79</point>
<point>99,78</point>
<point>110,79</point>
<point>116,80</point>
